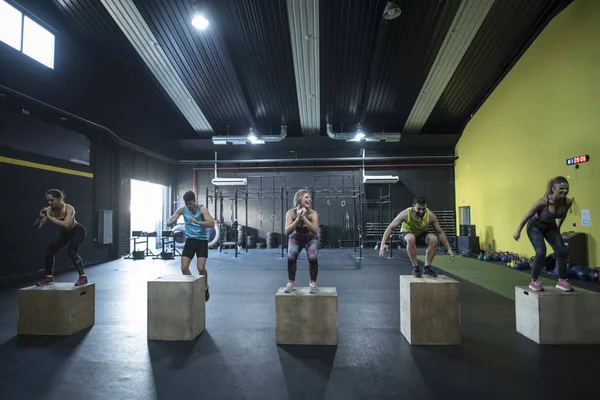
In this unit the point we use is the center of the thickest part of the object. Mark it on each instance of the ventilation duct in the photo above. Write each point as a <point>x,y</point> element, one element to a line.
<point>369,137</point>
<point>244,139</point>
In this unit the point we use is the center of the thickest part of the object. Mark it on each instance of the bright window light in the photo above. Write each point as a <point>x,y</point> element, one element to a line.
<point>38,43</point>
<point>10,25</point>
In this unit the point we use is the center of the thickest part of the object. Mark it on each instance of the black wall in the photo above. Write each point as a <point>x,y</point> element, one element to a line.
<point>23,189</point>
<point>435,183</point>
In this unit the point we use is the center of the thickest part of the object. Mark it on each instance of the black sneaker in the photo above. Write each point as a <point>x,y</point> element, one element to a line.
<point>206,294</point>
<point>417,272</point>
<point>429,271</point>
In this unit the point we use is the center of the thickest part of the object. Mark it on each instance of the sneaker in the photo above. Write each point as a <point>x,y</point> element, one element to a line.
<point>417,272</point>
<point>313,287</point>
<point>562,284</point>
<point>206,294</point>
<point>290,287</point>
<point>429,271</point>
<point>536,285</point>
<point>81,281</point>
<point>49,280</point>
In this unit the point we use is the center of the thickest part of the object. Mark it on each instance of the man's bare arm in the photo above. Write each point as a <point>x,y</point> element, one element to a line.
<point>440,231</point>
<point>173,219</point>
<point>208,219</point>
<point>402,217</point>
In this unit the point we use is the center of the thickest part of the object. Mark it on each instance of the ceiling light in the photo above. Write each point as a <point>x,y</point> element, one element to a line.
<point>379,179</point>
<point>391,11</point>
<point>252,136</point>
<point>199,21</point>
<point>229,181</point>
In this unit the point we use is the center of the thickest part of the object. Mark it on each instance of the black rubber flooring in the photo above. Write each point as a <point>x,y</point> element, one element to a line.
<point>237,357</point>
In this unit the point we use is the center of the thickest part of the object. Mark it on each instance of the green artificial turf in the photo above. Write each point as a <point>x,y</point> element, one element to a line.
<point>494,277</point>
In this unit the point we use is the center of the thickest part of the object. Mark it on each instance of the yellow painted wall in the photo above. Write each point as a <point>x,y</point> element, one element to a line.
<point>546,110</point>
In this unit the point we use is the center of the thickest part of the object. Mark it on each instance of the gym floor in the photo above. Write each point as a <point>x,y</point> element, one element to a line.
<point>237,357</point>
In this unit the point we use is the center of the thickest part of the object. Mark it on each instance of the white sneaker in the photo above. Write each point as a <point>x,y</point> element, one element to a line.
<point>313,287</point>
<point>289,287</point>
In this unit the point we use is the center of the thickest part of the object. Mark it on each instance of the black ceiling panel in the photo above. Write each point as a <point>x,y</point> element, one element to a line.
<point>93,27</point>
<point>257,35</point>
<point>508,30</point>
<point>406,48</point>
<point>202,61</point>
<point>240,71</point>
<point>348,30</point>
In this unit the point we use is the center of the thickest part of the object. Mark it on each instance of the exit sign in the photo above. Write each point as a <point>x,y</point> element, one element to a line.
<point>578,160</point>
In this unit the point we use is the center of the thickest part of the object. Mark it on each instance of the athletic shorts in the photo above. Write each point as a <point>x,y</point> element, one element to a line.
<point>195,247</point>
<point>420,238</point>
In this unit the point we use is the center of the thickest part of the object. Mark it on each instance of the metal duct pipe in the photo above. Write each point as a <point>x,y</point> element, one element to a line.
<point>317,160</point>
<point>274,167</point>
<point>369,137</point>
<point>240,139</point>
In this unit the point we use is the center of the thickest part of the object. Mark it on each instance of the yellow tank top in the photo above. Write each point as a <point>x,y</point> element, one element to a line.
<point>415,225</point>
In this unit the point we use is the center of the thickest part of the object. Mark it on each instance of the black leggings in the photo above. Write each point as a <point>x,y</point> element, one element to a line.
<point>74,237</point>
<point>537,235</point>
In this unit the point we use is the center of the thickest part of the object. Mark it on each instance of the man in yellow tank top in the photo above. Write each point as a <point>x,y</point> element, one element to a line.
<point>413,233</point>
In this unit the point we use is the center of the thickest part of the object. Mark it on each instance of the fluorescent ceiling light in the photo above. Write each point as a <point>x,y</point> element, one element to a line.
<point>229,181</point>
<point>380,179</point>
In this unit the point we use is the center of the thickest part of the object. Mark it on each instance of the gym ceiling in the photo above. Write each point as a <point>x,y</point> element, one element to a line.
<point>298,72</point>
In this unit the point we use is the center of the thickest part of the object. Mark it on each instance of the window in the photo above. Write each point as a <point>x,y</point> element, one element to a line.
<point>11,21</point>
<point>38,43</point>
<point>22,33</point>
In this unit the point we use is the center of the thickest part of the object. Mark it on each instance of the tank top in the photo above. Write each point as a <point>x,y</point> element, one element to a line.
<point>301,228</point>
<point>415,225</point>
<point>64,213</point>
<point>193,230</point>
<point>546,219</point>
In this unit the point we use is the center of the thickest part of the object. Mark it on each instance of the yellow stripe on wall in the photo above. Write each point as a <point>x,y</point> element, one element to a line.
<point>45,167</point>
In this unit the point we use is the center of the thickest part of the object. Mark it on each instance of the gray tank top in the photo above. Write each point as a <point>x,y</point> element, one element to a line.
<point>547,218</point>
